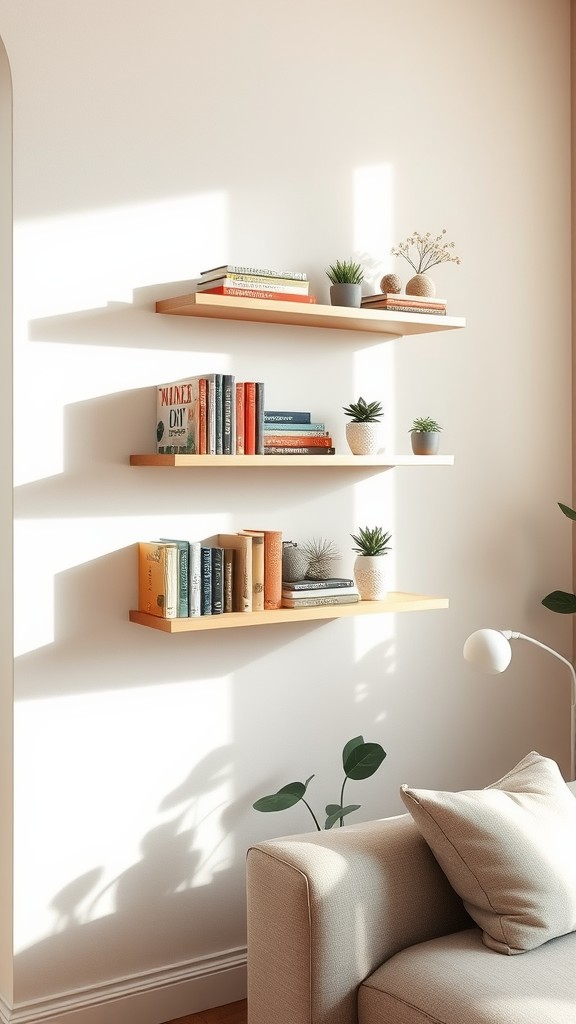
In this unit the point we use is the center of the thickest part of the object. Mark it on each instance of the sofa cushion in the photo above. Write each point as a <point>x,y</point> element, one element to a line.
<point>508,850</point>
<point>456,980</point>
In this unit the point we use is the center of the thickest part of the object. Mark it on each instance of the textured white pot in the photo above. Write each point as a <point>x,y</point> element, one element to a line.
<point>421,284</point>
<point>370,576</point>
<point>364,438</point>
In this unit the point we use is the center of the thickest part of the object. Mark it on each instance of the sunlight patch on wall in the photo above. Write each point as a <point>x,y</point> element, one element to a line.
<point>374,219</point>
<point>118,819</point>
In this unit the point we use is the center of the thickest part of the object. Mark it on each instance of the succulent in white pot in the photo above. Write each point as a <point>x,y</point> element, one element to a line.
<point>364,431</point>
<point>371,544</point>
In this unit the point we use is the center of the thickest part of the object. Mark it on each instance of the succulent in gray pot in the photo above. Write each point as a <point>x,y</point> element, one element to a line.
<point>425,435</point>
<point>364,431</point>
<point>371,544</point>
<point>346,278</point>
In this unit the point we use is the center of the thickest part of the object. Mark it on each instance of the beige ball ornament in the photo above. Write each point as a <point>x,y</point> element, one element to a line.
<point>390,283</point>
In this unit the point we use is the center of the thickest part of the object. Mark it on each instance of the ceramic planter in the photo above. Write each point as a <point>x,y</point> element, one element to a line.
<point>425,442</point>
<point>421,284</point>
<point>346,294</point>
<point>370,577</point>
<point>364,438</point>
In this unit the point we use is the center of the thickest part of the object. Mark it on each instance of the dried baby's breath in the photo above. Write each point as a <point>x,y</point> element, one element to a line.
<point>425,251</point>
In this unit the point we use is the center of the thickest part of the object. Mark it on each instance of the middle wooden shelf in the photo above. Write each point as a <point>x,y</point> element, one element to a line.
<point>290,461</point>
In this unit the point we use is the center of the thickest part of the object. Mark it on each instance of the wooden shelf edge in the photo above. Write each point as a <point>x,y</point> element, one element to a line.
<point>286,461</point>
<point>273,311</point>
<point>395,602</point>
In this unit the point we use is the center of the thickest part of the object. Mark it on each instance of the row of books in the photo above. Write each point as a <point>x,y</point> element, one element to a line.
<point>227,572</point>
<point>399,302</point>
<point>255,283</point>
<point>214,414</point>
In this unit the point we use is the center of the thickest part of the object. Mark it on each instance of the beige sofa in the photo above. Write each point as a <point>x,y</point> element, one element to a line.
<point>360,924</point>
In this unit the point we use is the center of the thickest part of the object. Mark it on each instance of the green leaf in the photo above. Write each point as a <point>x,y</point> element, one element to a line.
<point>364,760</point>
<point>335,812</point>
<point>560,601</point>
<point>567,511</point>
<point>284,798</point>
<point>350,746</point>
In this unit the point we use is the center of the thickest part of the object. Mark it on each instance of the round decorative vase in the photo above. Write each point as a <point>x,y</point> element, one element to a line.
<point>294,562</point>
<point>346,294</point>
<point>421,284</point>
<point>391,283</point>
<point>370,576</point>
<point>425,442</point>
<point>364,438</point>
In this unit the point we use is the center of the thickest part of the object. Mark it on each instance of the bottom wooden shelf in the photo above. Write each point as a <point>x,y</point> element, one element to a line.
<point>395,602</point>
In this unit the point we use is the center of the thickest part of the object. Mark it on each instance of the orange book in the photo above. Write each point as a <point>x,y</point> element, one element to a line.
<point>298,440</point>
<point>250,418</point>
<point>272,567</point>
<point>249,293</point>
<point>239,418</point>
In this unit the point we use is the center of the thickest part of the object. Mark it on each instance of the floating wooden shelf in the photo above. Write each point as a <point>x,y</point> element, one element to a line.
<point>300,314</point>
<point>395,602</point>
<point>287,461</point>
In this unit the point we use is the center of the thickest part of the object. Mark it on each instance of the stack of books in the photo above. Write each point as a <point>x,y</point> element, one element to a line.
<point>309,593</point>
<point>227,572</point>
<point>210,414</point>
<point>294,432</point>
<point>399,302</point>
<point>255,283</point>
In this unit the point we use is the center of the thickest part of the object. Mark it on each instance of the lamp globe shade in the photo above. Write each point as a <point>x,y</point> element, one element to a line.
<point>489,650</point>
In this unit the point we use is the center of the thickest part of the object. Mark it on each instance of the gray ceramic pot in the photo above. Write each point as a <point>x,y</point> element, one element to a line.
<point>346,294</point>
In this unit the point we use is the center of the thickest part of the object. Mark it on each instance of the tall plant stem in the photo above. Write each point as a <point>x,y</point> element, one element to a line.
<point>306,804</point>
<point>342,799</point>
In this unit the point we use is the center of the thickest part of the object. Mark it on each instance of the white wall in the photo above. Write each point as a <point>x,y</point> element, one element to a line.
<point>152,141</point>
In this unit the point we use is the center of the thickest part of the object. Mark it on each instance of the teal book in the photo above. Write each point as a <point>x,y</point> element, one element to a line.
<point>205,580</point>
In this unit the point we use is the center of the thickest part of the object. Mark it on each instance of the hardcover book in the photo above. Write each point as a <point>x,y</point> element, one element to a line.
<point>194,577</point>
<point>231,268</point>
<point>205,580</point>
<point>259,419</point>
<point>312,602</point>
<point>241,544</point>
<point>250,417</point>
<point>250,293</point>
<point>158,579</point>
<point>183,578</point>
<point>296,440</point>
<point>286,416</point>
<point>228,414</point>
<point>272,567</point>
<point>341,582</point>
<point>229,555</point>
<point>280,449</point>
<point>175,424</point>
<point>257,568</point>
<point>298,595</point>
<point>254,284</point>
<point>240,414</point>
<point>217,580</point>
<point>295,428</point>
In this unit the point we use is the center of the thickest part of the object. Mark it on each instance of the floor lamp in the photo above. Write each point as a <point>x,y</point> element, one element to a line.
<point>490,650</point>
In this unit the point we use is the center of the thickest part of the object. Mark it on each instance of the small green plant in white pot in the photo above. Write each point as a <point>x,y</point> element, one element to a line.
<point>425,436</point>
<point>346,278</point>
<point>364,431</point>
<point>371,544</point>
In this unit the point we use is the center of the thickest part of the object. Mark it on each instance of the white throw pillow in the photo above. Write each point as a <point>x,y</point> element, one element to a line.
<point>508,850</point>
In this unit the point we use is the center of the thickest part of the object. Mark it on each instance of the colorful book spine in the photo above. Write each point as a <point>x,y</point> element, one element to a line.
<point>405,309</point>
<point>228,414</point>
<point>239,416</point>
<point>205,580</point>
<point>232,268</point>
<point>296,440</point>
<point>272,567</point>
<point>183,574</point>
<point>257,571</point>
<point>287,450</point>
<point>288,416</point>
<point>211,416</point>
<point>297,595</point>
<point>229,556</point>
<point>340,582</point>
<point>194,577</point>
<point>257,284</point>
<point>250,418</point>
<point>219,414</point>
<point>305,429</point>
<point>217,554</point>
<point>158,579</point>
<point>312,602</point>
<point>249,293</point>
<point>199,404</point>
<point>259,418</point>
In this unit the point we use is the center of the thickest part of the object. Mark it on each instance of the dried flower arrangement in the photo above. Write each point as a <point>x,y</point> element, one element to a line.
<point>429,251</point>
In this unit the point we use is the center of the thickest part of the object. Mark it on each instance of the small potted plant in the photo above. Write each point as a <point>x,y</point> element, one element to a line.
<point>371,544</point>
<point>425,436</point>
<point>364,431</point>
<point>346,278</point>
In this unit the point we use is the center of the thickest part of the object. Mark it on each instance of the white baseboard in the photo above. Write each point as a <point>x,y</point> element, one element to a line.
<point>149,998</point>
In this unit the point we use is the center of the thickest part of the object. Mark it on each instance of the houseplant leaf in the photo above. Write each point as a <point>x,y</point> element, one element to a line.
<point>335,813</point>
<point>284,798</point>
<point>363,760</point>
<point>560,601</point>
<point>350,746</point>
<point>570,512</point>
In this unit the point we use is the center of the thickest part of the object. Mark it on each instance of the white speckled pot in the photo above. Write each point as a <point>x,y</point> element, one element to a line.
<point>370,576</point>
<point>364,438</point>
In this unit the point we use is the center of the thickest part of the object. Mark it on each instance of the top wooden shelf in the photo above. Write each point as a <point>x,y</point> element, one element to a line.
<point>300,314</point>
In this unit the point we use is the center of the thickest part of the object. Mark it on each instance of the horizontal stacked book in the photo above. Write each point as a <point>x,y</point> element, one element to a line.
<point>255,283</point>
<point>311,593</point>
<point>227,572</point>
<point>210,414</point>
<point>399,302</point>
<point>294,432</point>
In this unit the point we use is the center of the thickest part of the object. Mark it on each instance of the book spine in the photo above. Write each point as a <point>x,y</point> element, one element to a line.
<point>175,418</point>
<point>246,293</point>
<point>330,584</point>
<point>250,418</point>
<point>194,576</point>
<point>183,557</point>
<point>350,592</point>
<point>312,602</point>
<point>257,572</point>
<point>305,430</point>
<point>229,579</point>
<point>289,416</point>
<point>202,425</point>
<point>240,418</point>
<point>217,580</point>
<point>158,579</point>
<point>287,450</point>
<point>254,285</point>
<point>211,418</point>
<point>259,419</point>
<point>205,581</point>
<point>407,309</point>
<point>295,440</point>
<point>219,413</point>
<point>228,414</point>
<point>272,569</point>
<point>231,268</point>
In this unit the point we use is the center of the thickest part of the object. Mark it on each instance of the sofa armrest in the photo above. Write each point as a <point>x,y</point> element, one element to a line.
<point>325,909</point>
